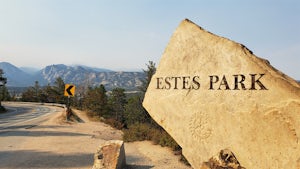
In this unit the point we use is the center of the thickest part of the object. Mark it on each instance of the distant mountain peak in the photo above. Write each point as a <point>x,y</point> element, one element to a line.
<point>76,74</point>
<point>7,65</point>
<point>93,68</point>
<point>14,75</point>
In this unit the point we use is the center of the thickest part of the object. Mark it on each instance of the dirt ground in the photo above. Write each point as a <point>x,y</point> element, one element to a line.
<point>58,144</point>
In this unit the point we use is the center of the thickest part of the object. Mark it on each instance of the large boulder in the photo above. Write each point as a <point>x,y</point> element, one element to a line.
<point>223,105</point>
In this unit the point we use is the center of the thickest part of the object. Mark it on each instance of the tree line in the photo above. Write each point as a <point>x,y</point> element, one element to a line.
<point>116,107</point>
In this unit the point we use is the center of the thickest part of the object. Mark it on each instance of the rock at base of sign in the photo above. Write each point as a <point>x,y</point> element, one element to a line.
<point>211,94</point>
<point>224,160</point>
<point>110,155</point>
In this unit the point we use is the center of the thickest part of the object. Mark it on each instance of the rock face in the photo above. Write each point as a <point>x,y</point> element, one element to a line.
<point>110,155</point>
<point>213,96</point>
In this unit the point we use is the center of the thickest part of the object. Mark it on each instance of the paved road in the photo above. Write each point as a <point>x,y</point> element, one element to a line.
<point>14,131</point>
<point>23,114</point>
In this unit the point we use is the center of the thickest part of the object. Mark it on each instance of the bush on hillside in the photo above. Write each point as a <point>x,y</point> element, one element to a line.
<point>2,109</point>
<point>144,131</point>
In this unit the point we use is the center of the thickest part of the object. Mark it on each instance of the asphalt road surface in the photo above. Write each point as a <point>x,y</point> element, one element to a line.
<point>23,115</point>
<point>20,117</point>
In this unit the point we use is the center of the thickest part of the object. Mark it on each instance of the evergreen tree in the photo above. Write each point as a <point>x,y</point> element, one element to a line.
<point>52,94</point>
<point>149,72</point>
<point>37,90</point>
<point>151,69</point>
<point>59,88</point>
<point>5,94</point>
<point>117,103</point>
<point>33,94</point>
<point>48,94</point>
<point>134,111</point>
<point>29,95</point>
<point>3,90</point>
<point>95,100</point>
<point>77,101</point>
<point>3,81</point>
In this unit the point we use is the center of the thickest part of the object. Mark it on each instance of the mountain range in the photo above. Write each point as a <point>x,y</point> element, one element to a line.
<point>78,75</point>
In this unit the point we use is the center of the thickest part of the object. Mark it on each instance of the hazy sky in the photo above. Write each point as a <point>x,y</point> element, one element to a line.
<point>126,34</point>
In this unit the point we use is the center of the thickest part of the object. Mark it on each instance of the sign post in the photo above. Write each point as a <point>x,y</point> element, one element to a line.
<point>69,92</point>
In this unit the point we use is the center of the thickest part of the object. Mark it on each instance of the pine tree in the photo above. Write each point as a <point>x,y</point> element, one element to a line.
<point>3,90</point>
<point>37,90</point>
<point>59,89</point>
<point>117,103</point>
<point>134,112</point>
<point>151,69</point>
<point>95,100</point>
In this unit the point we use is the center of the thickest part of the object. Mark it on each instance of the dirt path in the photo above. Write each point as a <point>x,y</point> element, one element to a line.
<point>145,155</point>
<point>55,144</point>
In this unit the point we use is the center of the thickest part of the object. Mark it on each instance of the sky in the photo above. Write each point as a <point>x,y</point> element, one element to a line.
<point>126,34</point>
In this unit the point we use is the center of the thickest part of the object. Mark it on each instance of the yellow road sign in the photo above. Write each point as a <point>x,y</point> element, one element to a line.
<point>69,90</point>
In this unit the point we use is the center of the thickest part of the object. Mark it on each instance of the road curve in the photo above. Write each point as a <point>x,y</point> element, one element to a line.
<point>21,114</point>
<point>14,131</point>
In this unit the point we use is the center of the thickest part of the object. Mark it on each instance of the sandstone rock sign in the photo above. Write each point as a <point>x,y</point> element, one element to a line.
<point>223,105</point>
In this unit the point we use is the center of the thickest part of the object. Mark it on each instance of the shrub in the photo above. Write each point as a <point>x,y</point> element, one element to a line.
<point>144,131</point>
<point>2,109</point>
<point>137,132</point>
<point>94,116</point>
<point>168,141</point>
<point>114,123</point>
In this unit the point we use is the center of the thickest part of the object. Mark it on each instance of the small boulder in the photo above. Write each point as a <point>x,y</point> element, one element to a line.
<point>110,155</point>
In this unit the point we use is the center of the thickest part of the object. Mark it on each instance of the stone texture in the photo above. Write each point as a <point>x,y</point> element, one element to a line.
<point>224,160</point>
<point>212,94</point>
<point>110,155</point>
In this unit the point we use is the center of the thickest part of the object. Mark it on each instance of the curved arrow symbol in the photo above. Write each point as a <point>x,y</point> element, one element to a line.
<point>69,90</point>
